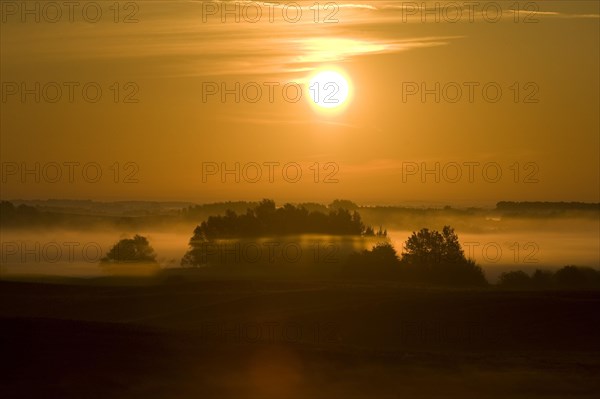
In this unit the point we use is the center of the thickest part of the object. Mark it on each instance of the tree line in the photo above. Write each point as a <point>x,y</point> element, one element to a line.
<point>429,257</point>
<point>266,219</point>
<point>567,277</point>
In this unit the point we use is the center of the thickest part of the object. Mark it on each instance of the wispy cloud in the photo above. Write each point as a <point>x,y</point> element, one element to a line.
<point>174,39</point>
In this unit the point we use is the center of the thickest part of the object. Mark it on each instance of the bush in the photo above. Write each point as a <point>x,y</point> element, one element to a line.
<point>131,250</point>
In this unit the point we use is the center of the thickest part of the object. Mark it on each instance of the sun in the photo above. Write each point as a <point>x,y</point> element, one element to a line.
<point>329,89</point>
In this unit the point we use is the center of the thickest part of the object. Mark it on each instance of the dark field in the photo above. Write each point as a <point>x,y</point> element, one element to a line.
<point>274,339</point>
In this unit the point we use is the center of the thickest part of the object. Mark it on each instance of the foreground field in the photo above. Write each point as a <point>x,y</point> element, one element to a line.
<point>277,339</point>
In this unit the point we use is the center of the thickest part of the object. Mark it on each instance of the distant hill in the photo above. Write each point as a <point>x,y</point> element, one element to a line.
<point>545,208</point>
<point>115,208</point>
<point>84,213</point>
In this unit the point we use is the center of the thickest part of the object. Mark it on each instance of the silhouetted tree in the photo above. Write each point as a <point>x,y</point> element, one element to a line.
<point>266,219</point>
<point>430,247</point>
<point>343,204</point>
<point>575,277</point>
<point>438,258</point>
<point>384,254</point>
<point>131,250</point>
<point>380,262</point>
<point>567,277</point>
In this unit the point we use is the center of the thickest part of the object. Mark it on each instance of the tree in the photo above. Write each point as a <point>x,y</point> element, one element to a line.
<point>343,204</point>
<point>430,247</point>
<point>379,262</point>
<point>577,277</point>
<point>568,277</point>
<point>131,250</point>
<point>266,220</point>
<point>385,254</point>
<point>265,210</point>
<point>439,258</point>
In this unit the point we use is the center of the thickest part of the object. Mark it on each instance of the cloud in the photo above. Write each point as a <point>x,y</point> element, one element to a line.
<point>175,41</point>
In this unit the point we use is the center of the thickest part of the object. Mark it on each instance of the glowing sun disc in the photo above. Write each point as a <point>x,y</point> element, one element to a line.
<point>328,89</point>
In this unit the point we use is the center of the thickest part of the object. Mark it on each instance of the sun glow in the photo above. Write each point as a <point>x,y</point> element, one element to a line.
<point>329,89</point>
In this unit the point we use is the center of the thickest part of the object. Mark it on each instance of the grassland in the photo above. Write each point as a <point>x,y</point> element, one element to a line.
<point>227,338</point>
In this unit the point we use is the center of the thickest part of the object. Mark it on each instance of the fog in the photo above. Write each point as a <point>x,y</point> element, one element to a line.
<point>496,244</point>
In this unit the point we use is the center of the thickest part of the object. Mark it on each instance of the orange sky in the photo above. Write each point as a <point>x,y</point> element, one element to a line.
<point>154,134</point>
